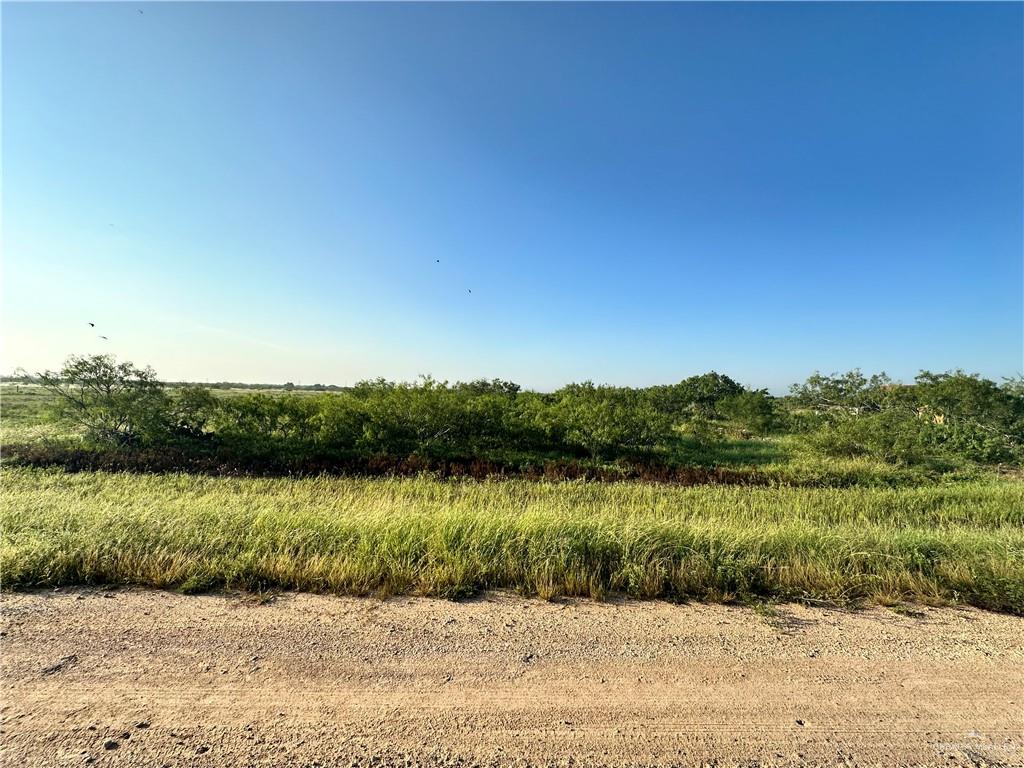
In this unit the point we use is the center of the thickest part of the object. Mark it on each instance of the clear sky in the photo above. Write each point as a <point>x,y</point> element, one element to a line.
<point>633,193</point>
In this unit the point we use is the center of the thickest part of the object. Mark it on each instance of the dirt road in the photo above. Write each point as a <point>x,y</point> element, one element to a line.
<point>140,678</point>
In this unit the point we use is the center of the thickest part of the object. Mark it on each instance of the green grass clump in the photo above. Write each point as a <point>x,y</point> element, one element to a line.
<point>960,543</point>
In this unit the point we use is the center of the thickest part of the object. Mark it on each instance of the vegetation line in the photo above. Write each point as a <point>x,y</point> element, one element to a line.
<point>113,415</point>
<point>851,489</point>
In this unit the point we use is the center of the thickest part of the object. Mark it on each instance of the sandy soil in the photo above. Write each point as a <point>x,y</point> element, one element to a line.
<point>141,678</point>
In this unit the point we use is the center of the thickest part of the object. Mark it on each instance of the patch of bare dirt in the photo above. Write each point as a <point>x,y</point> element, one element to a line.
<point>145,678</point>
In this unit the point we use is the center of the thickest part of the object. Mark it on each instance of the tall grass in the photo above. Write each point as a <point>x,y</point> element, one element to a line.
<point>937,544</point>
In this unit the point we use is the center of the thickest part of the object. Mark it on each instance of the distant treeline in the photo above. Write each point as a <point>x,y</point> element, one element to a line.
<point>27,378</point>
<point>945,418</point>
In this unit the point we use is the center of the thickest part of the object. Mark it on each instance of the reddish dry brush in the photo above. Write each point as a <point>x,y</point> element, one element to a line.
<point>164,460</point>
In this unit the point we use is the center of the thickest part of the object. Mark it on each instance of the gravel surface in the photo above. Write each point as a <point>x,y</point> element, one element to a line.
<point>147,678</point>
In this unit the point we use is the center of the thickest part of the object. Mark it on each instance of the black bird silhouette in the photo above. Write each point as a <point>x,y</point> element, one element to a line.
<point>437,261</point>
<point>92,325</point>
<point>104,338</point>
<point>470,290</point>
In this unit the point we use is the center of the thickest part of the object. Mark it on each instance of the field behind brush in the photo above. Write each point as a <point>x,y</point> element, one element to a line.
<point>937,544</point>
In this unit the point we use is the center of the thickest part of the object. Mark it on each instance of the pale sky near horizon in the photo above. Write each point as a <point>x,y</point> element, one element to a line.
<point>633,194</point>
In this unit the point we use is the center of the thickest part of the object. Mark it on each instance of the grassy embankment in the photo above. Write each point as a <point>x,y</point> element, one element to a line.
<point>956,543</point>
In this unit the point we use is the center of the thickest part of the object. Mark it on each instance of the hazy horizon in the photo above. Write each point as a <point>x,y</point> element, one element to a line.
<point>630,194</point>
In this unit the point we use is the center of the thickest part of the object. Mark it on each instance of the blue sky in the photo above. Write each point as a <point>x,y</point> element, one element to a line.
<point>633,193</point>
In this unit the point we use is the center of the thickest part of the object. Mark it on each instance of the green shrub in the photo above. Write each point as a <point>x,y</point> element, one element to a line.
<point>602,420</point>
<point>888,435</point>
<point>113,403</point>
<point>755,411</point>
<point>696,395</point>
